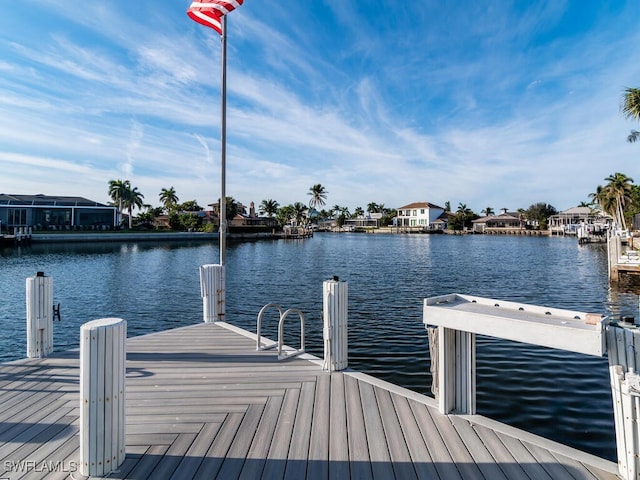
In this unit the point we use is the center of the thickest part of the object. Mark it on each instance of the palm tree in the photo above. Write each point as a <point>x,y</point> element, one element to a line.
<point>373,207</point>
<point>168,198</point>
<point>318,195</point>
<point>336,209</point>
<point>133,199</point>
<point>358,212</point>
<point>299,212</point>
<point>269,207</point>
<point>487,211</point>
<point>118,191</point>
<point>619,192</point>
<point>631,109</point>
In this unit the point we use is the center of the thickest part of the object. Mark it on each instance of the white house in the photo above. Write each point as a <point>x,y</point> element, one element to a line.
<point>423,215</point>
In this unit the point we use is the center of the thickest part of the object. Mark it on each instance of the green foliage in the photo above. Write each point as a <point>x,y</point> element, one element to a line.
<point>540,213</point>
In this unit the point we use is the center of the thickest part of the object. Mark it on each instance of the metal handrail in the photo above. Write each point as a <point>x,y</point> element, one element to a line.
<point>282,356</point>
<point>259,345</point>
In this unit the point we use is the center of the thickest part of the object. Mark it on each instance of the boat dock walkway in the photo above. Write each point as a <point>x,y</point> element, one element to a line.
<point>201,402</point>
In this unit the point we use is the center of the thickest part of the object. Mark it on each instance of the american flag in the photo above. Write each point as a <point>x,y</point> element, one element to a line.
<point>210,13</point>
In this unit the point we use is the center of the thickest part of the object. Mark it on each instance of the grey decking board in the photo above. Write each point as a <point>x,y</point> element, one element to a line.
<point>318,466</point>
<point>217,452</point>
<point>481,455</point>
<point>359,459</point>
<point>168,464</point>
<point>236,456</point>
<point>435,444</point>
<point>300,438</point>
<point>524,469</point>
<point>195,453</point>
<point>375,436</point>
<point>257,454</point>
<point>398,449</point>
<point>281,442</point>
<point>418,450</point>
<point>338,432</point>
<point>524,457</point>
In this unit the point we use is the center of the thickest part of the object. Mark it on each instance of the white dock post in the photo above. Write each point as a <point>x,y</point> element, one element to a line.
<point>623,350</point>
<point>39,315</point>
<point>335,333</point>
<point>456,371</point>
<point>102,395</point>
<point>212,288</point>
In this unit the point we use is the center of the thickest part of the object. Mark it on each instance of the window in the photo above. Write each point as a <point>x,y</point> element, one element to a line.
<point>17,217</point>
<point>422,211</point>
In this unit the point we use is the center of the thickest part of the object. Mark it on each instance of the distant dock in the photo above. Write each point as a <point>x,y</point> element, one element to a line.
<point>201,402</point>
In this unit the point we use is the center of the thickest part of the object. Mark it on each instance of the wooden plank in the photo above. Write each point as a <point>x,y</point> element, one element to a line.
<point>148,462</point>
<point>398,449</point>
<point>477,449</point>
<point>300,438</point>
<point>237,453</point>
<point>169,462</point>
<point>196,451</point>
<point>420,456</point>
<point>281,442</point>
<point>257,454</point>
<point>216,454</point>
<point>375,435</point>
<point>524,457</point>
<point>435,444</point>
<point>338,432</point>
<point>524,466</point>
<point>359,460</point>
<point>319,445</point>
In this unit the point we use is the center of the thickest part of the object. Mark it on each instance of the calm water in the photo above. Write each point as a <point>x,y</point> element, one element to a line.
<point>559,395</point>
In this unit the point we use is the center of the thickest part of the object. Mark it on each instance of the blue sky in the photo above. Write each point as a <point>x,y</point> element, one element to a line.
<point>486,103</point>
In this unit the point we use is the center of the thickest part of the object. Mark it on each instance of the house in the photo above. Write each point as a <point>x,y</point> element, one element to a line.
<point>569,221</point>
<point>505,220</point>
<point>49,212</point>
<point>421,216</point>
<point>368,220</point>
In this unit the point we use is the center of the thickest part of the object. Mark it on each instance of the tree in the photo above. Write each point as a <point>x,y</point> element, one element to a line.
<point>447,206</point>
<point>631,109</point>
<point>614,196</point>
<point>133,199</point>
<point>358,212</point>
<point>488,211</point>
<point>189,206</point>
<point>168,199</point>
<point>118,191</point>
<point>125,197</point>
<point>269,207</point>
<point>299,212</point>
<point>540,213</point>
<point>318,195</point>
<point>373,207</point>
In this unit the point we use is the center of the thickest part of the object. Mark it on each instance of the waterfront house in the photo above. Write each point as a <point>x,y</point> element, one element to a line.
<point>506,220</point>
<point>421,216</point>
<point>569,221</point>
<point>368,220</point>
<point>50,212</point>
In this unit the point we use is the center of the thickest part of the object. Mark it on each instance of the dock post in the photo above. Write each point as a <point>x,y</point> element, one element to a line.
<point>335,332</point>
<point>39,315</point>
<point>102,395</point>
<point>212,288</point>
<point>456,371</point>
<point>623,351</point>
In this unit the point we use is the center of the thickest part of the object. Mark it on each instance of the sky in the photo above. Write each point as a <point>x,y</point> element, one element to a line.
<point>485,103</point>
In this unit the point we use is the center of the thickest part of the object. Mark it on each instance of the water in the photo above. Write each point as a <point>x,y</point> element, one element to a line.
<point>559,395</point>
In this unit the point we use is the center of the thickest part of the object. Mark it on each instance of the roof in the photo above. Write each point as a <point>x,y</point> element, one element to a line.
<point>420,205</point>
<point>501,217</point>
<point>44,200</point>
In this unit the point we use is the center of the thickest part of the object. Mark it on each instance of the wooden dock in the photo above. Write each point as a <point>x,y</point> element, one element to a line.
<point>201,402</point>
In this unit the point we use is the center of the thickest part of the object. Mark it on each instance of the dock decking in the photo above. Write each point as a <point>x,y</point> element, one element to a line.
<point>201,402</point>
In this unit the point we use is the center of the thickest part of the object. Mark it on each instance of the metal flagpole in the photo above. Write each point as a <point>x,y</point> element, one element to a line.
<point>223,199</point>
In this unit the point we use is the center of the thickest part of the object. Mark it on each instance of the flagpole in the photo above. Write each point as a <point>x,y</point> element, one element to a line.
<point>223,149</point>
